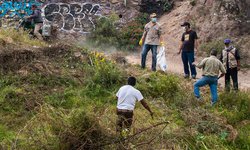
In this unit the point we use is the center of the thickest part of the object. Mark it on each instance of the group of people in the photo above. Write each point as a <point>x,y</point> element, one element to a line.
<point>228,65</point>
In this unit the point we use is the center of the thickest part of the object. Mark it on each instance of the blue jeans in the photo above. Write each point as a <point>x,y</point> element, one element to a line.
<point>188,59</point>
<point>207,80</point>
<point>145,49</point>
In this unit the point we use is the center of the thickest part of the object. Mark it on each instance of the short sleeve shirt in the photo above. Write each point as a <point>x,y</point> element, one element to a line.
<point>188,39</point>
<point>153,33</point>
<point>127,97</point>
<point>211,66</point>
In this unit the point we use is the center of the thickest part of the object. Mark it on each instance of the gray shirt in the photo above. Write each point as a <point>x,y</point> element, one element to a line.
<point>211,66</point>
<point>153,33</point>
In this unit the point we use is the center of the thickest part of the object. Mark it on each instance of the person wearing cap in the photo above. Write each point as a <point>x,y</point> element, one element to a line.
<point>211,67</point>
<point>127,98</point>
<point>151,38</point>
<point>187,47</point>
<point>37,19</point>
<point>230,57</point>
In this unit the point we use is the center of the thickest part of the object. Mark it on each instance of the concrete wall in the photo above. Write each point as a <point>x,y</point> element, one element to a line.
<point>68,15</point>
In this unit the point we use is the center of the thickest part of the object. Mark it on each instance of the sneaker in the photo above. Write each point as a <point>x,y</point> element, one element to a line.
<point>186,76</point>
<point>193,77</point>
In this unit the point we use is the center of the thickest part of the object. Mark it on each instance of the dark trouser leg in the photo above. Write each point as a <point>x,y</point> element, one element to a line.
<point>234,76</point>
<point>184,58</point>
<point>119,123</point>
<point>144,54</point>
<point>227,80</point>
<point>124,120</point>
<point>154,54</point>
<point>190,61</point>
<point>128,120</point>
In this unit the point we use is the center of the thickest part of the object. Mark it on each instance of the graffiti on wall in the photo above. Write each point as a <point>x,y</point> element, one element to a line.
<point>19,9</point>
<point>76,17</point>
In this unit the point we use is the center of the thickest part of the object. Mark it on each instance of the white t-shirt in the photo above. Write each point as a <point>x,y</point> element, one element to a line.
<point>127,97</point>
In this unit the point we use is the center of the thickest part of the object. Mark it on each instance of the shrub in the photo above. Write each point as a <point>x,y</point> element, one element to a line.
<point>105,32</point>
<point>159,85</point>
<point>193,2</point>
<point>104,76</point>
<point>216,44</point>
<point>236,106</point>
<point>132,32</point>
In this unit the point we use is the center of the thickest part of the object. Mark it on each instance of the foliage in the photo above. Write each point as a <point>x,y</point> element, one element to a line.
<point>193,2</point>
<point>20,37</point>
<point>235,106</point>
<point>132,32</point>
<point>216,44</point>
<point>159,85</point>
<point>158,7</point>
<point>105,32</point>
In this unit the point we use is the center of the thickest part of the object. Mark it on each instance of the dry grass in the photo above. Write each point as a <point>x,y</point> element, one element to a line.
<point>18,38</point>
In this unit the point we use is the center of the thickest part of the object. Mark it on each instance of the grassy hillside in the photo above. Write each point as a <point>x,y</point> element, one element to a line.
<point>63,97</point>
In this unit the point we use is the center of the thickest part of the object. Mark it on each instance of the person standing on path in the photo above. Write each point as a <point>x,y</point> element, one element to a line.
<point>151,38</point>
<point>211,67</point>
<point>127,97</point>
<point>231,59</point>
<point>36,16</point>
<point>187,50</point>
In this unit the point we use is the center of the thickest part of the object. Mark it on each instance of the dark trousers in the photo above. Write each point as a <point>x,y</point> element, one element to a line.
<point>145,49</point>
<point>124,120</point>
<point>233,73</point>
<point>188,59</point>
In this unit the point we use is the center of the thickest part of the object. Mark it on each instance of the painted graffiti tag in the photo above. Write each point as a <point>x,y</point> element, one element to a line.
<point>76,17</point>
<point>10,9</point>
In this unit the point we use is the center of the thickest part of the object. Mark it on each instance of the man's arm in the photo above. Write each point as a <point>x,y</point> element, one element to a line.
<point>201,64</point>
<point>196,45</point>
<point>145,105</point>
<point>223,70</point>
<point>237,56</point>
<point>180,48</point>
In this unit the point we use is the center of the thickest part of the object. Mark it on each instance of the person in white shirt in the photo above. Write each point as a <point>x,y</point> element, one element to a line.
<point>127,97</point>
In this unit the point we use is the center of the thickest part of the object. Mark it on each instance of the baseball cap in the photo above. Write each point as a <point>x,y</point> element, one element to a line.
<point>185,24</point>
<point>227,41</point>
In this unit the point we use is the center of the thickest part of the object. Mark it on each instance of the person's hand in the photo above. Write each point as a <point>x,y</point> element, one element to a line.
<point>194,64</point>
<point>179,52</point>
<point>162,43</point>
<point>140,43</point>
<point>238,68</point>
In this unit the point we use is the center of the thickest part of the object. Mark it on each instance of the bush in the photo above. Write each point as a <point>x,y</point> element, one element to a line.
<point>132,32</point>
<point>84,133</point>
<point>104,76</point>
<point>105,32</point>
<point>216,44</point>
<point>158,85</point>
<point>236,106</point>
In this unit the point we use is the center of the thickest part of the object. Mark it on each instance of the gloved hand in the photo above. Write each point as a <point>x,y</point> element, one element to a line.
<point>162,43</point>
<point>140,43</point>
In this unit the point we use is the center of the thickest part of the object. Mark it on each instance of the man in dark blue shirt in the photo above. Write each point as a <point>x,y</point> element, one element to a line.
<point>38,21</point>
<point>189,44</point>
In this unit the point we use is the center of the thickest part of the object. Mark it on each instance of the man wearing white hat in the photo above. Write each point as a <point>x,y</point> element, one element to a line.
<point>151,38</point>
